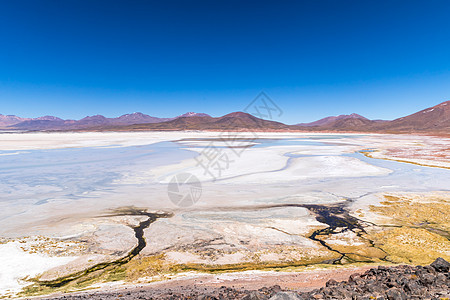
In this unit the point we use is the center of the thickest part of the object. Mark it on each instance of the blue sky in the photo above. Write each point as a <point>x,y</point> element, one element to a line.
<point>381,59</point>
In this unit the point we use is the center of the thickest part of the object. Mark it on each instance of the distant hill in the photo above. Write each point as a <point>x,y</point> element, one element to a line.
<point>330,120</point>
<point>232,121</point>
<point>192,114</point>
<point>435,119</point>
<point>6,122</point>
<point>54,123</point>
<point>353,122</point>
<point>10,120</point>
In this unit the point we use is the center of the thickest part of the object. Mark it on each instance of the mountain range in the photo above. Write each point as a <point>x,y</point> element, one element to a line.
<point>55,123</point>
<point>435,119</point>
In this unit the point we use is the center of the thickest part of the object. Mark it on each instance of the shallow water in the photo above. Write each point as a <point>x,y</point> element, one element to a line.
<point>37,177</point>
<point>42,177</point>
<point>411,176</point>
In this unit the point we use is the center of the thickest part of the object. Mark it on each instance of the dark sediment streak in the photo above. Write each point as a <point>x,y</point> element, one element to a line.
<point>336,217</point>
<point>139,234</point>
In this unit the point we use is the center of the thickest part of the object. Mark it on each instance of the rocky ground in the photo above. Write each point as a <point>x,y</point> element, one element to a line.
<point>387,283</point>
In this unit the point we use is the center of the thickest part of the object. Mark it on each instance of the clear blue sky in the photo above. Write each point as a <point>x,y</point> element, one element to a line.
<point>381,59</point>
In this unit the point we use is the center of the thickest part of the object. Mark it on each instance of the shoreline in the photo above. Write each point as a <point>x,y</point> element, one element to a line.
<point>382,282</point>
<point>303,280</point>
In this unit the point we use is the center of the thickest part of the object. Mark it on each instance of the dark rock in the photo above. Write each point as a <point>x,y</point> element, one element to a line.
<point>255,296</point>
<point>286,296</point>
<point>395,294</point>
<point>413,287</point>
<point>276,288</point>
<point>427,279</point>
<point>441,265</point>
<point>354,277</point>
<point>340,293</point>
<point>207,297</point>
<point>430,269</point>
<point>331,282</point>
<point>440,279</point>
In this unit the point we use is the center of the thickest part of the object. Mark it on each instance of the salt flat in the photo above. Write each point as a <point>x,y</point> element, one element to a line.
<point>260,202</point>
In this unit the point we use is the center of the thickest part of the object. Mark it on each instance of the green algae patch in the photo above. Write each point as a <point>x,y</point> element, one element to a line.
<point>159,266</point>
<point>430,212</point>
<point>421,227</point>
<point>420,237</point>
<point>412,245</point>
<point>361,252</point>
<point>109,274</point>
<point>149,267</point>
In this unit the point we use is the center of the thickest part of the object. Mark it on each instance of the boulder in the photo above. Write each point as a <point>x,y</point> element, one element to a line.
<point>395,294</point>
<point>255,295</point>
<point>441,265</point>
<point>331,282</point>
<point>206,297</point>
<point>286,296</point>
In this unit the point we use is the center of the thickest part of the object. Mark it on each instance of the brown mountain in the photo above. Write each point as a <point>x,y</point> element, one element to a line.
<point>353,122</point>
<point>435,119</point>
<point>35,124</point>
<point>432,119</point>
<point>137,118</point>
<point>332,119</point>
<point>232,121</point>
<point>191,114</point>
<point>9,120</point>
<point>54,123</point>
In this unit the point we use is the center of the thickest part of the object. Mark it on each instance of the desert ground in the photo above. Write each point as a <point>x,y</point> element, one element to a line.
<point>97,210</point>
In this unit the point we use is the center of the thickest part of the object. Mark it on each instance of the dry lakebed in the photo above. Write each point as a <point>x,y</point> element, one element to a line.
<point>115,210</point>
